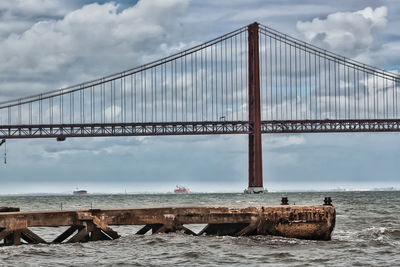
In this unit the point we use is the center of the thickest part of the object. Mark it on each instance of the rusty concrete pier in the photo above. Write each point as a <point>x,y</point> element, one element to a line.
<point>295,221</point>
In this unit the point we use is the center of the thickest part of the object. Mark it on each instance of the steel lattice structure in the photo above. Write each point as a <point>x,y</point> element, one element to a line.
<point>250,81</point>
<point>61,132</point>
<point>125,129</point>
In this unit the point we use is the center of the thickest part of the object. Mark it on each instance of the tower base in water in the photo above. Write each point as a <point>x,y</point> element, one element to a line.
<point>255,190</point>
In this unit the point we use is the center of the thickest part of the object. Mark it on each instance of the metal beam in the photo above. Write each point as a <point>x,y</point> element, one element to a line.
<point>196,128</point>
<point>331,126</point>
<point>62,131</point>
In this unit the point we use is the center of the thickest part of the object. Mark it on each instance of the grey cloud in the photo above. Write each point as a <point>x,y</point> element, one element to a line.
<point>16,16</point>
<point>89,42</point>
<point>347,33</point>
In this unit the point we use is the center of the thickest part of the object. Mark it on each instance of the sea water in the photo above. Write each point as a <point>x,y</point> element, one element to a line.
<point>367,233</point>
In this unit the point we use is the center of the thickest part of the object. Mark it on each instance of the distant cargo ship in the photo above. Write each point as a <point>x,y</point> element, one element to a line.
<point>80,192</point>
<point>181,190</point>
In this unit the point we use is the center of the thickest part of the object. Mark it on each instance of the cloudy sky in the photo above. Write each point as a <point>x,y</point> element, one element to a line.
<point>48,44</point>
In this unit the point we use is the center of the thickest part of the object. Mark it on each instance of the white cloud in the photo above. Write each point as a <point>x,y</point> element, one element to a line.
<point>347,33</point>
<point>89,42</point>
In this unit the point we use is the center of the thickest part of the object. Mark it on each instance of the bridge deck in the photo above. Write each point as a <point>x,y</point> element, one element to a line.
<point>196,128</point>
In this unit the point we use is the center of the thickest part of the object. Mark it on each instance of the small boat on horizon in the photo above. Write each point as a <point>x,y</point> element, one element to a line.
<point>79,192</point>
<point>181,190</point>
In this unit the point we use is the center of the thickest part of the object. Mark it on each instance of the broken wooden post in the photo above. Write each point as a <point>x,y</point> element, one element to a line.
<point>31,238</point>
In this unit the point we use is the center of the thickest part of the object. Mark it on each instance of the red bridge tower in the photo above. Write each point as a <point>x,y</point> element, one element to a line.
<point>255,143</point>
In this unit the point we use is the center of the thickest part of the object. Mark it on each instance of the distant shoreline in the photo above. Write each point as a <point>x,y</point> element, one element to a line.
<point>197,193</point>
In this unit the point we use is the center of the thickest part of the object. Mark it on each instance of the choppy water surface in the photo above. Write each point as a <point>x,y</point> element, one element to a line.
<point>367,233</point>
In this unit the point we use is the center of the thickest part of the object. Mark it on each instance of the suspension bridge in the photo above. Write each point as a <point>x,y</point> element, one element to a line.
<point>250,81</point>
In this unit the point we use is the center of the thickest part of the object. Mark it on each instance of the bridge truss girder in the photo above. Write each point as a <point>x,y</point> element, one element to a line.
<point>195,128</point>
